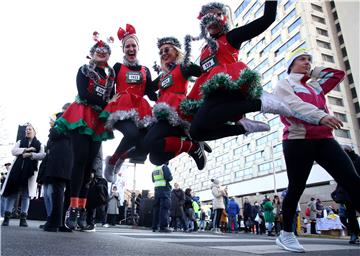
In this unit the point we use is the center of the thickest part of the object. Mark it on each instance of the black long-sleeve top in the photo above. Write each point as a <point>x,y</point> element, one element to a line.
<point>237,36</point>
<point>149,88</point>
<point>82,83</point>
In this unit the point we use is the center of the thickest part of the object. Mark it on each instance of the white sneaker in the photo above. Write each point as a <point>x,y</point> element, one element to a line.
<point>251,126</point>
<point>271,103</point>
<point>105,225</point>
<point>109,170</point>
<point>288,242</point>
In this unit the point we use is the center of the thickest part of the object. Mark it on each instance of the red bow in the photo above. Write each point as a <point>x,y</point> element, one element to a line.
<point>129,30</point>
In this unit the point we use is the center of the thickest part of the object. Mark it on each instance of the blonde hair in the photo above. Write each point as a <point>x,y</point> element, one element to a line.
<point>179,57</point>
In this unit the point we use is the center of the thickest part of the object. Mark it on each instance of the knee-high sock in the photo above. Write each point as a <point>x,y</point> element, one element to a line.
<point>177,145</point>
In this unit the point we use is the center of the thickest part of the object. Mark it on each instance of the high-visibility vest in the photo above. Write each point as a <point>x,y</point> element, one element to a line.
<point>158,176</point>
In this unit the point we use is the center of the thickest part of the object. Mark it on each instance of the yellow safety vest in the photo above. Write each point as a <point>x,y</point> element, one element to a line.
<point>158,176</point>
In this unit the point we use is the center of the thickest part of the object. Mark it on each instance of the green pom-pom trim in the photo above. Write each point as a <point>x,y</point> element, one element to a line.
<point>222,80</point>
<point>161,115</point>
<point>189,107</point>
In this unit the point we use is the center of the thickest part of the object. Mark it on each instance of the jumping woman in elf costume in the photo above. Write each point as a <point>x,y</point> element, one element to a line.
<point>227,89</point>
<point>128,112</point>
<point>168,137</point>
<point>95,85</point>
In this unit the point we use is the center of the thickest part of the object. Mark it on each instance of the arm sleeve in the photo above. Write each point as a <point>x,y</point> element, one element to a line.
<point>16,151</point>
<point>82,83</point>
<point>40,155</point>
<point>150,88</point>
<point>167,173</point>
<point>241,34</point>
<point>301,110</point>
<point>328,78</point>
<point>191,70</point>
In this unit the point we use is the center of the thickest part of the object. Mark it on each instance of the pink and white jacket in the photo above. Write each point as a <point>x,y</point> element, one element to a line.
<point>308,103</point>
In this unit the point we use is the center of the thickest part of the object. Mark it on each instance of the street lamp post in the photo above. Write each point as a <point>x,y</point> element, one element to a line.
<point>273,166</point>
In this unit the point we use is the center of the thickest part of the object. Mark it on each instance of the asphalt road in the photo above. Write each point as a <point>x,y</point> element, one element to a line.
<point>122,240</point>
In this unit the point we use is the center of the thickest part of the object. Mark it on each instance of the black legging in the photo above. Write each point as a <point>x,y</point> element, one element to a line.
<point>84,152</point>
<point>210,121</point>
<point>133,137</point>
<point>154,141</point>
<point>300,155</point>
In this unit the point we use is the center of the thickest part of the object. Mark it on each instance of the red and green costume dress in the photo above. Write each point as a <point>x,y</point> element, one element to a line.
<point>172,90</point>
<point>83,114</point>
<point>131,104</point>
<point>222,72</point>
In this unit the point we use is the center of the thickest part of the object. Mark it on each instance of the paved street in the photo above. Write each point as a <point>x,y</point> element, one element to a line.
<point>127,241</point>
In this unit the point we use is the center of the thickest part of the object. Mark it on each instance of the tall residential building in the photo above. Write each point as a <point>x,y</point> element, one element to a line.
<point>254,165</point>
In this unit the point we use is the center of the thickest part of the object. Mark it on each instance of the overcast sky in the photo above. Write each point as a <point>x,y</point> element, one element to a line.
<point>45,42</point>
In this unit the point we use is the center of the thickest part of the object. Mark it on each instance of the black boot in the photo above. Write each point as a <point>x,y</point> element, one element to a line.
<point>6,221</point>
<point>23,222</point>
<point>198,155</point>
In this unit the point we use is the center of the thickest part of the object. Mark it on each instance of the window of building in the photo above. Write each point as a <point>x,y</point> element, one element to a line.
<point>341,39</point>
<point>251,64</point>
<point>327,58</point>
<point>264,168</point>
<point>332,4</point>
<point>268,138</point>
<point>350,78</point>
<point>245,46</point>
<point>267,86</point>
<point>282,75</point>
<point>244,172</point>
<point>289,43</point>
<point>323,44</point>
<point>242,7</point>
<point>343,51</point>
<point>262,65</point>
<point>251,10</point>
<point>318,19</point>
<point>353,93</point>
<point>322,32</point>
<point>340,116</point>
<point>335,101</point>
<point>335,15</point>
<point>259,12</point>
<point>294,25</point>
<point>357,108</point>
<point>338,28</point>
<point>271,45</point>
<point>316,7</point>
<point>343,133</point>
<point>242,149</point>
<point>274,121</point>
<point>347,64</point>
<point>283,22</point>
<point>277,150</point>
<point>288,4</point>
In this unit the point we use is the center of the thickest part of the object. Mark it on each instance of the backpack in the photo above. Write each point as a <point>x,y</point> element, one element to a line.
<point>98,193</point>
<point>307,211</point>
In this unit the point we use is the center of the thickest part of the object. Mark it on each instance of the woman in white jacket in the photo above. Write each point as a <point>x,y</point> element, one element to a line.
<point>218,203</point>
<point>22,175</point>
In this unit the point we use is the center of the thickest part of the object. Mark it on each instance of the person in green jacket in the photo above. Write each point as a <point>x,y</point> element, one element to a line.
<point>269,217</point>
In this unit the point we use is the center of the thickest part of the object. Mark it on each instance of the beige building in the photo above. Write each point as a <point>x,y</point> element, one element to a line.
<point>254,165</point>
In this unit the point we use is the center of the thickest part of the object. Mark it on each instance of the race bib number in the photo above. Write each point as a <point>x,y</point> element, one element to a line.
<point>133,77</point>
<point>208,63</point>
<point>100,91</point>
<point>166,82</point>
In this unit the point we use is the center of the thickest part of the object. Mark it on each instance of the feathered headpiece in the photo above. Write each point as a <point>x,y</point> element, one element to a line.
<point>100,46</point>
<point>168,40</point>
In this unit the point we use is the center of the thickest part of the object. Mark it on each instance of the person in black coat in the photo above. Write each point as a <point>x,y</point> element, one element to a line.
<point>350,209</point>
<point>54,173</point>
<point>247,212</point>
<point>177,207</point>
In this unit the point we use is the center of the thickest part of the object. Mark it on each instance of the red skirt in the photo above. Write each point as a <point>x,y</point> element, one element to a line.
<point>86,120</point>
<point>128,106</point>
<point>167,108</point>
